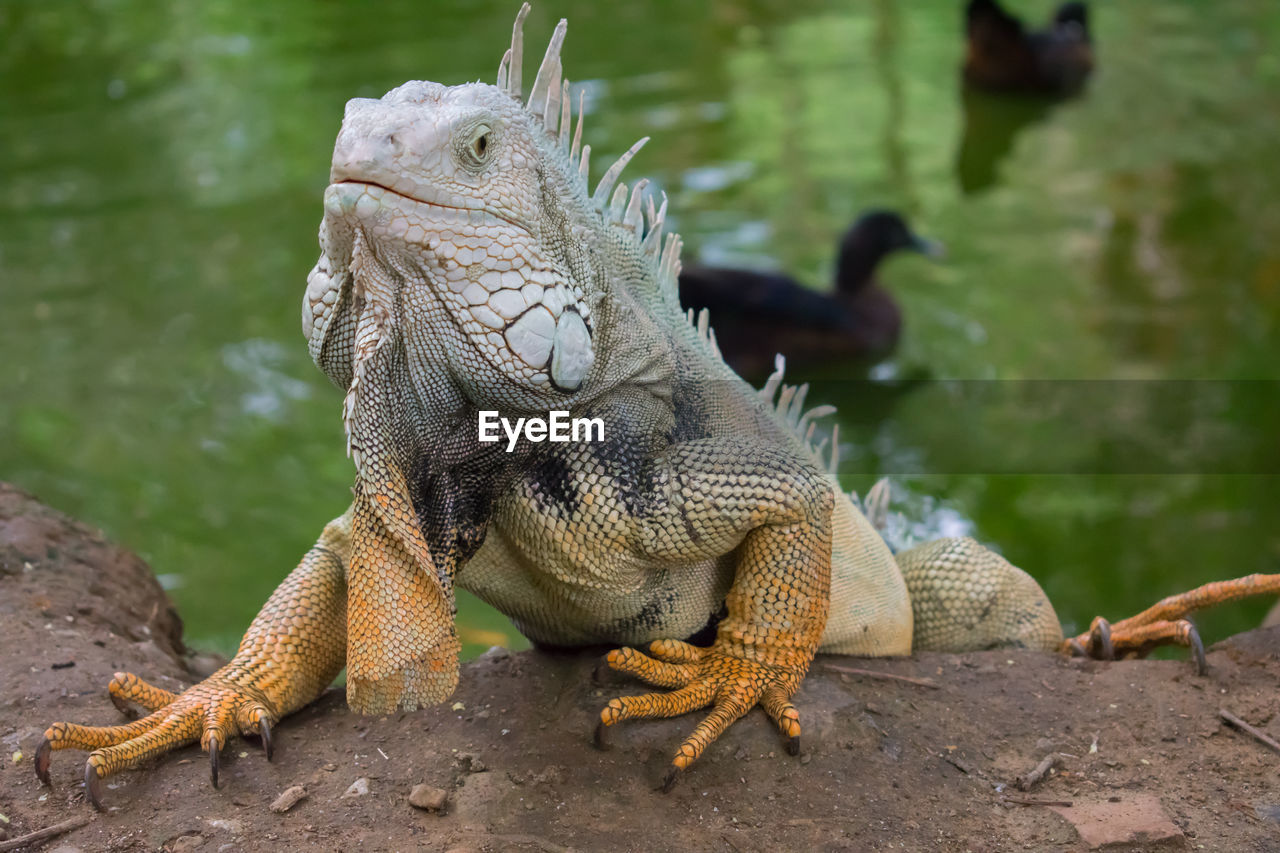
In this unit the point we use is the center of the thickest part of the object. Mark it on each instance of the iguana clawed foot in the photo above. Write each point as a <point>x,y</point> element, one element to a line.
<point>211,711</point>
<point>1165,622</point>
<point>1102,643</point>
<point>702,677</point>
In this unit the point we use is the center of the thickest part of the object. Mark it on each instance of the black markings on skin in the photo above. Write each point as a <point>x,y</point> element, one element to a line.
<point>624,456</point>
<point>690,528</point>
<point>454,484</point>
<point>652,616</point>
<point>551,481</point>
<point>690,409</point>
<point>706,635</point>
<point>986,610</point>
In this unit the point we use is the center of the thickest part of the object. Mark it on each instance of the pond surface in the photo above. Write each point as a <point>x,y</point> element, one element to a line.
<point>160,191</point>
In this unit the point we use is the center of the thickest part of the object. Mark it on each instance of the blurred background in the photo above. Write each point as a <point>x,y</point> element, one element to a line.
<point>161,171</point>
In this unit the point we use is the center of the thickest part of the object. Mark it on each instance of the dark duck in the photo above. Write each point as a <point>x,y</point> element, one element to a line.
<point>1003,56</point>
<point>759,314</point>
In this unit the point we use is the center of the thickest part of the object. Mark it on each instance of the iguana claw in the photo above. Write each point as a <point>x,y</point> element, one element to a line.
<point>264,732</point>
<point>1100,645</point>
<point>214,749</point>
<point>44,754</point>
<point>1197,651</point>
<point>93,786</point>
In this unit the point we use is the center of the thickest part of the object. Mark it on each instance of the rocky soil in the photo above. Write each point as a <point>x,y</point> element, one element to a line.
<point>924,754</point>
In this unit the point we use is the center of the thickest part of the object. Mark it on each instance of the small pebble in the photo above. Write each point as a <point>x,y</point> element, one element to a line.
<point>427,798</point>
<point>234,827</point>
<point>358,788</point>
<point>289,798</point>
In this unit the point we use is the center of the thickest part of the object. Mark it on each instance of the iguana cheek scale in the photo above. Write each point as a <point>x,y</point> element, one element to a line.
<point>465,265</point>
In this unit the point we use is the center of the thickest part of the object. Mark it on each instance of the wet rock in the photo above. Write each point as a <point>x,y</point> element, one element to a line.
<point>288,798</point>
<point>429,799</point>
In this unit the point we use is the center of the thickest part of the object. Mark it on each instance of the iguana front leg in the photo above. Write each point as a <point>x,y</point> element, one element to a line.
<point>295,647</point>
<point>776,607</point>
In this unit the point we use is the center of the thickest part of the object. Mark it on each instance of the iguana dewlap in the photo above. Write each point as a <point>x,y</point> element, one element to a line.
<point>465,266</point>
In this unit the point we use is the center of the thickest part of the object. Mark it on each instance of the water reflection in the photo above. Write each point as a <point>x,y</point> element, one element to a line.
<point>992,124</point>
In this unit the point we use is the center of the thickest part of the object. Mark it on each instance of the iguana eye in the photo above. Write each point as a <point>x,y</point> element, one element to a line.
<point>476,151</point>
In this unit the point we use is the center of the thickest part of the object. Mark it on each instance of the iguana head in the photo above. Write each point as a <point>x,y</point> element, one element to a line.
<point>458,219</point>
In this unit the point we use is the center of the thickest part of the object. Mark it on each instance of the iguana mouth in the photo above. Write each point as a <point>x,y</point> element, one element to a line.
<point>416,200</point>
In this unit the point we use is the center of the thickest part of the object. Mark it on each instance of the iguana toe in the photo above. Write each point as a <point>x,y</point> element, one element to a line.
<point>729,684</point>
<point>126,687</point>
<point>211,712</point>
<point>651,671</point>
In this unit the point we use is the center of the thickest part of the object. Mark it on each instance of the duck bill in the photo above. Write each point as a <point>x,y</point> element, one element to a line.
<point>932,249</point>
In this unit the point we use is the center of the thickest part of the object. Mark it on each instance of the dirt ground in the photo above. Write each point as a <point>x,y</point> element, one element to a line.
<point>889,764</point>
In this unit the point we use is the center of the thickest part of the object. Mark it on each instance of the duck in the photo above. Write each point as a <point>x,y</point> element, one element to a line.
<point>1004,56</point>
<point>757,315</point>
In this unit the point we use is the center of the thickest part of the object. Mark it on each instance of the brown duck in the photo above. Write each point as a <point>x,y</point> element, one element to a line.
<point>1004,56</point>
<point>758,314</point>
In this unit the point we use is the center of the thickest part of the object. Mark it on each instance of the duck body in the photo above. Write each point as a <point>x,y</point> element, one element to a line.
<point>759,314</point>
<point>1004,56</point>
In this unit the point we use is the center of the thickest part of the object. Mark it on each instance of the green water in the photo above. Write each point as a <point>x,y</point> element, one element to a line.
<point>160,181</point>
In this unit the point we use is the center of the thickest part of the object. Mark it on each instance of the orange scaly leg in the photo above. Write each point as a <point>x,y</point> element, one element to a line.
<point>777,608</point>
<point>293,649</point>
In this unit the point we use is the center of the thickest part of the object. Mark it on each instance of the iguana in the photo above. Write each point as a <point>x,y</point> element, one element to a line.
<point>465,267</point>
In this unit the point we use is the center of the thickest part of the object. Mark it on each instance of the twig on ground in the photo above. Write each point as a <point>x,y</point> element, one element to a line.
<point>44,834</point>
<point>1029,780</point>
<point>1027,801</point>
<point>1237,723</point>
<point>887,676</point>
<point>962,766</point>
